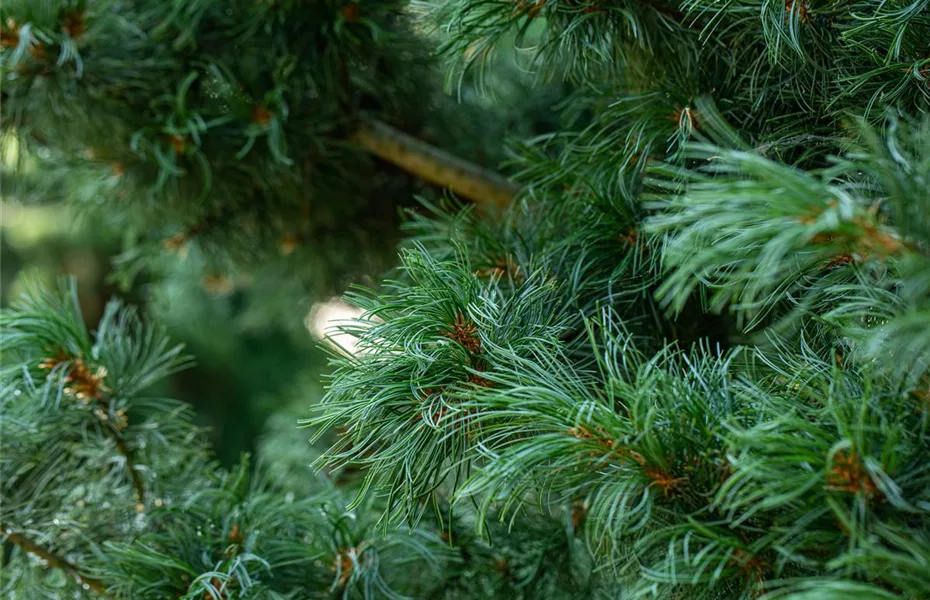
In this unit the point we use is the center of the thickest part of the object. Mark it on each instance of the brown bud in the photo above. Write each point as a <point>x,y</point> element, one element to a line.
<point>9,34</point>
<point>38,50</point>
<point>218,284</point>
<point>288,243</point>
<point>74,24</point>
<point>175,243</point>
<point>261,115</point>
<point>350,12</point>
<point>179,143</point>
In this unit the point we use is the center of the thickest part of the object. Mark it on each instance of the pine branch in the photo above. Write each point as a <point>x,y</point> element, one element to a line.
<point>88,386</point>
<point>437,166</point>
<point>123,449</point>
<point>51,559</point>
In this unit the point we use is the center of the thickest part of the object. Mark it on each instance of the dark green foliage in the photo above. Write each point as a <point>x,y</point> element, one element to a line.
<point>217,134</point>
<point>82,444</point>
<point>216,130</point>
<point>689,362</point>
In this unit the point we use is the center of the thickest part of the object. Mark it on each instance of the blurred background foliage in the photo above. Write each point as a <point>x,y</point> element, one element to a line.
<point>242,374</point>
<point>255,333</point>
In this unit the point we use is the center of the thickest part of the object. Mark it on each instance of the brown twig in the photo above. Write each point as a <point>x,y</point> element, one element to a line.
<point>87,386</point>
<point>123,449</point>
<point>52,559</point>
<point>481,185</point>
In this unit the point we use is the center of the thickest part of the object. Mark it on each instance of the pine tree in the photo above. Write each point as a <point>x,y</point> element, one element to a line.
<point>690,359</point>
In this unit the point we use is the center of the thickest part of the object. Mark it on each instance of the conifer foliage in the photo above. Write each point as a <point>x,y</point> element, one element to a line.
<point>691,359</point>
<point>702,325</point>
<point>219,133</point>
<point>110,491</point>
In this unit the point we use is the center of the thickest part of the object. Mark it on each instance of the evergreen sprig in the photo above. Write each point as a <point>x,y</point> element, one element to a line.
<point>771,241</point>
<point>427,346</point>
<point>107,492</point>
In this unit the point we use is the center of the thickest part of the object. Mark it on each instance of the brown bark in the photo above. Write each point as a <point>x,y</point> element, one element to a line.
<point>486,188</point>
<point>52,559</point>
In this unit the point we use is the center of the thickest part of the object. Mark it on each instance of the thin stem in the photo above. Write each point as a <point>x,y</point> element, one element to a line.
<point>87,386</point>
<point>130,464</point>
<point>481,185</point>
<point>123,449</point>
<point>52,559</point>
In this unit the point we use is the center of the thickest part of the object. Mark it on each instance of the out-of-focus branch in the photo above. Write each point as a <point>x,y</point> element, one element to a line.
<point>51,559</point>
<point>484,187</point>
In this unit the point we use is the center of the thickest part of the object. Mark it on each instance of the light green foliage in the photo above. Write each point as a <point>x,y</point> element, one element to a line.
<point>82,443</point>
<point>108,492</point>
<point>439,339</point>
<point>719,355</point>
<point>843,244</point>
<point>118,491</point>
